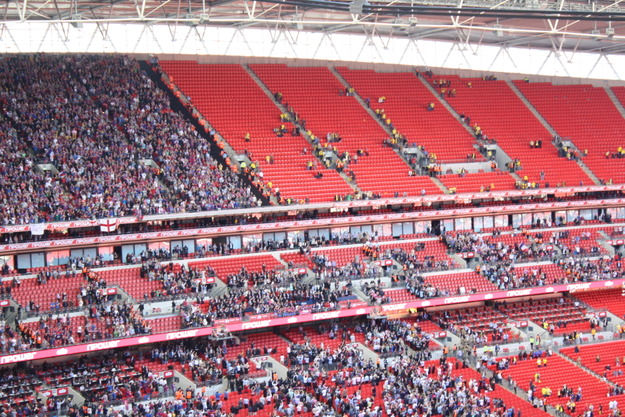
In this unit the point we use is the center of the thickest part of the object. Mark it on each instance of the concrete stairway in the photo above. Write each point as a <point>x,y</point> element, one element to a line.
<point>615,100</point>
<point>401,154</point>
<point>549,128</point>
<point>303,131</point>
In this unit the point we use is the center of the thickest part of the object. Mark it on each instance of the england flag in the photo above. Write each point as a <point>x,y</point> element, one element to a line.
<point>108,225</point>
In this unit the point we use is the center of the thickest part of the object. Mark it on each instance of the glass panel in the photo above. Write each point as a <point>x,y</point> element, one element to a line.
<point>140,247</point>
<point>616,213</point>
<point>340,231</point>
<point>76,253</point>
<point>155,246</point>
<point>383,229</point>
<point>23,261</point>
<point>560,217</point>
<point>543,217</point>
<point>205,242</point>
<point>324,233</point>
<point>234,242</point>
<point>448,225</point>
<point>7,260</point>
<point>37,260</point>
<point>106,253</point>
<point>57,258</point>
<point>90,253</point>
<point>251,239</point>
<point>127,250</point>
<point>422,227</point>
<point>588,214</point>
<point>572,215</point>
<point>462,224</point>
<point>354,230</point>
<point>478,223</point>
<point>177,245</point>
<point>501,220</point>
<point>526,219</point>
<point>398,229</point>
<point>297,235</point>
<point>190,244</point>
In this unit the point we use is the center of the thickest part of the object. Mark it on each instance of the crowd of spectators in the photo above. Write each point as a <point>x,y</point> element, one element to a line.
<point>49,331</point>
<point>371,264</point>
<point>265,277</point>
<point>102,381</point>
<point>253,293</point>
<point>105,320</point>
<point>92,136</point>
<point>9,338</point>
<point>315,386</point>
<point>415,389</point>
<point>417,286</point>
<point>374,290</point>
<point>579,245</point>
<point>103,119</point>
<point>302,356</point>
<point>575,269</point>
<point>178,280</point>
<point>391,338</point>
<point>493,250</point>
<point>325,376</point>
<point>17,388</point>
<point>206,362</point>
<point>327,268</point>
<point>414,262</point>
<point>582,269</point>
<point>289,300</point>
<point>118,320</point>
<point>317,374</point>
<point>326,382</point>
<point>506,277</point>
<point>109,379</point>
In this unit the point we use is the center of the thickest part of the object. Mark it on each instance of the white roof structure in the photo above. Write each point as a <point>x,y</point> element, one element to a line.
<point>581,39</point>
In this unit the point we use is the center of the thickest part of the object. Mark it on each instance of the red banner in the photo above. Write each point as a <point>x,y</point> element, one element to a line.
<point>65,225</point>
<point>301,224</point>
<point>264,320</point>
<point>338,206</point>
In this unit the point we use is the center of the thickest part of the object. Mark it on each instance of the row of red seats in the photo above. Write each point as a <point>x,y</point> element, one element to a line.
<point>236,106</point>
<point>585,115</point>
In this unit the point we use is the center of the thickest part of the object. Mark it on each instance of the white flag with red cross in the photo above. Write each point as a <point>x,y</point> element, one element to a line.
<point>108,225</point>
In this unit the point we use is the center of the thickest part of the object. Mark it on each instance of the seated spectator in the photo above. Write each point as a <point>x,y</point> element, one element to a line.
<point>112,148</point>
